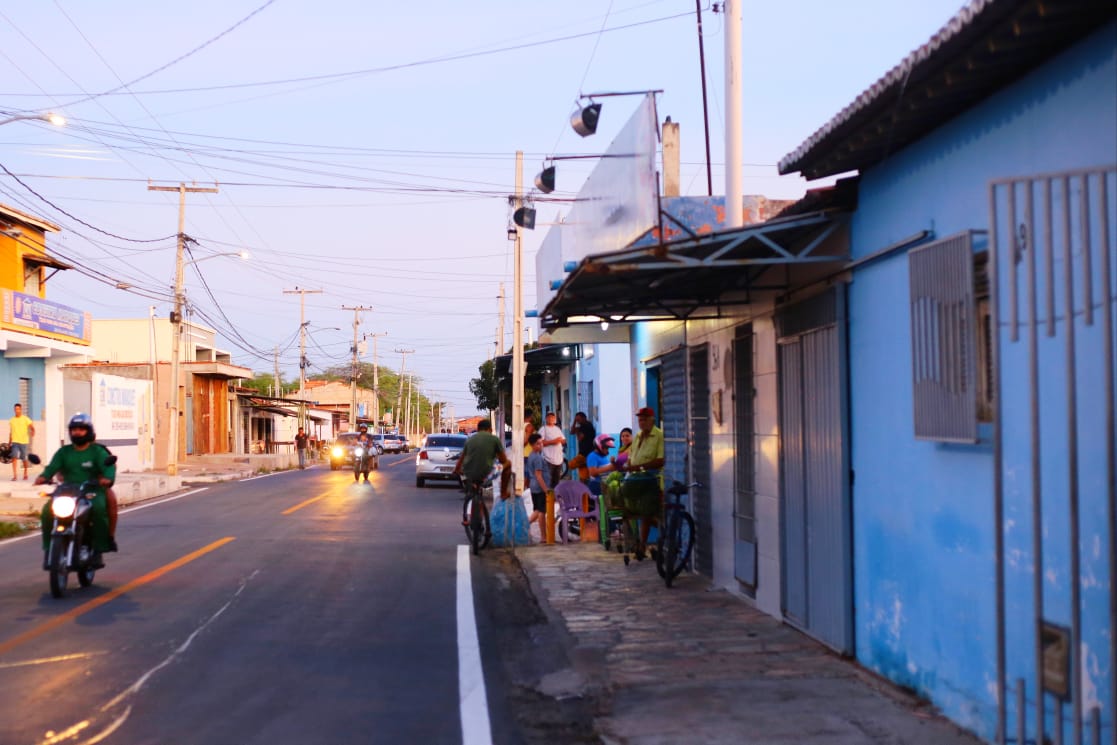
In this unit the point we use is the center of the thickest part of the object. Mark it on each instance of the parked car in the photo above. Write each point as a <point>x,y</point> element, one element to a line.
<point>341,452</point>
<point>389,443</point>
<point>437,457</point>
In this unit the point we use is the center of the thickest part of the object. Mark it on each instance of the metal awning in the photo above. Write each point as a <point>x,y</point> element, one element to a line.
<point>699,275</point>
<point>538,362</point>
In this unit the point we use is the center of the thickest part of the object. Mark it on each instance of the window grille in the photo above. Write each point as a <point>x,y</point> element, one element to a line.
<point>944,339</point>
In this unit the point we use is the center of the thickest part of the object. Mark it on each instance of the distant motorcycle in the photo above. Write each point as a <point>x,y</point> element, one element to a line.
<point>364,459</point>
<point>71,535</point>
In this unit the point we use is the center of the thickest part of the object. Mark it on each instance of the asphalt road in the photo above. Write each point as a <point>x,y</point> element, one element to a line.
<point>297,607</point>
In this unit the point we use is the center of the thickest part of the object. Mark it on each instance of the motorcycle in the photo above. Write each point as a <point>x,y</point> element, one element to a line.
<point>364,459</point>
<point>71,535</point>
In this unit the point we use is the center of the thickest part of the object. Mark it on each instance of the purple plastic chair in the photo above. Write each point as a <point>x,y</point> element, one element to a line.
<point>568,497</point>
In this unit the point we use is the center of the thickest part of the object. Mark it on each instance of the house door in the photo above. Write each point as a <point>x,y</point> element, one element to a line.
<point>814,469</point>
<point>673,415</point>
<point>700,455</point>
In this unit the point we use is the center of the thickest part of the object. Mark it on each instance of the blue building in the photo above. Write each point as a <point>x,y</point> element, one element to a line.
<point>902,389</point>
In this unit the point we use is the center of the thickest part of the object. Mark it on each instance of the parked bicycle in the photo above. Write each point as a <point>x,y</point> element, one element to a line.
<point>676,536</point>
<point>475,513</point>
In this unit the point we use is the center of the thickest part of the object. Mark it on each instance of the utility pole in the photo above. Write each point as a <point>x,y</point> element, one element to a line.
<point>353,375</point>
<point>375,379</point>
<point>176,315</point>
<point>518,343</point>
<point>734,188</point>
<point>497,414</point>
<point>399,392</point>
<point>275,383</point>
<point>410,416</point>
<point>302,347</point>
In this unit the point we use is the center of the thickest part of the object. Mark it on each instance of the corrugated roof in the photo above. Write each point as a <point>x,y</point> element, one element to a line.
<point>983,48</point>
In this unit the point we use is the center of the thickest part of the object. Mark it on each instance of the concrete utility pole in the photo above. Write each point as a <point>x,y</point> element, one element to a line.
<point>734,189</point>
<point>409,427</point>
<point>176,316</point>
<point>518,344</point>
<point>353,374</point>
<point>302,347</point>
<point>375,379</point>
<point>399,392</point>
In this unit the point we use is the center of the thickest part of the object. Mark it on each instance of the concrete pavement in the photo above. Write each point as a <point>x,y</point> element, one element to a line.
<point>699,665</point>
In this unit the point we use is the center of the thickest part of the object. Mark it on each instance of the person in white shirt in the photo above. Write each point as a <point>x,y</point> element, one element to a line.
<point>553,444</point>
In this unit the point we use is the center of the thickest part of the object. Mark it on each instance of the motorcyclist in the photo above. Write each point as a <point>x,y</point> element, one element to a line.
<point>82,460</point>
<point>364,440</point>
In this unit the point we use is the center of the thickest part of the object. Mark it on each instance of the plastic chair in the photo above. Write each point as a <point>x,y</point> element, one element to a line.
<point>568,496</point>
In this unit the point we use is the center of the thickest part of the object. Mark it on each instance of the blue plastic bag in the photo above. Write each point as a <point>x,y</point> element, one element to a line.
<point>498,522</point>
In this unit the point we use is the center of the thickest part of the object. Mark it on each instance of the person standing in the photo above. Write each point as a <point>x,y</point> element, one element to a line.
<point>537,481</point>
<point>301,444</point>
<point>585,433</point>
<point>20,431</point>
<point>647,455</point>
<point>553,443</point>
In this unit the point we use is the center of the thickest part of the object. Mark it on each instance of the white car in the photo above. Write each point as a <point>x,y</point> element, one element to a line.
<point>437,458</point>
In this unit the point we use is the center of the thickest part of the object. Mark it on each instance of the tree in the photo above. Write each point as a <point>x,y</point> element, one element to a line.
<point>264,384</point>
<point>484,388</point>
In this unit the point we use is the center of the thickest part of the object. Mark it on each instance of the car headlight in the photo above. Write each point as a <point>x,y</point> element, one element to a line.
<point>337,452</point>
<point>63,506</point>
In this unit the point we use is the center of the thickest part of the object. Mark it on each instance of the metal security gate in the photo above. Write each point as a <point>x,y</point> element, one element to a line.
<point>1053,272</point>
<point>744,483</point>
<point>700,455</point>
<point>673,417</point>
<point>814,469</point>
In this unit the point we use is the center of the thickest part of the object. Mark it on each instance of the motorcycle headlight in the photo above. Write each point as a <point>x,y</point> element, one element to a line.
<point>337,452</point>
<point>63,506</point>
<point>358,452</point>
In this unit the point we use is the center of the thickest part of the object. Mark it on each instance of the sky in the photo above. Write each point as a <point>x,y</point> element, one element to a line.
<point>365,151</point>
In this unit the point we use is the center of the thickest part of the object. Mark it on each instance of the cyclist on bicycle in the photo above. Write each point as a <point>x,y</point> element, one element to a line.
<point>477,457</point>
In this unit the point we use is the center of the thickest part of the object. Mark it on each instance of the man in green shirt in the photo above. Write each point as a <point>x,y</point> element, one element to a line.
<point>647,455</point>
<point>481,449</point>
<point>83,460</point>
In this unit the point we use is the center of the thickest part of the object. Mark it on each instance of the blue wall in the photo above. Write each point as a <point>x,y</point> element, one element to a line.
<point>11,370</point>
<point>923,512</point>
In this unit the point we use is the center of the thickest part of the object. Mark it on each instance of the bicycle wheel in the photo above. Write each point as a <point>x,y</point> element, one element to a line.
<point>479,530</point>
<point>679,547</point>
<point>467,512</point>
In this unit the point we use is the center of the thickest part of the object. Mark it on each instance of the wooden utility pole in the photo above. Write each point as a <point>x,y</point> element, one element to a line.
<point>518,343</point>
<point>375,379</point>
<point>302,347</point>
<point>176,317</point>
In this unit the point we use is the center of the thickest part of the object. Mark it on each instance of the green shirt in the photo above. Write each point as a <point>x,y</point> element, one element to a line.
<point>76,466</point>
<point>478,455</point>
<point>646,448</point>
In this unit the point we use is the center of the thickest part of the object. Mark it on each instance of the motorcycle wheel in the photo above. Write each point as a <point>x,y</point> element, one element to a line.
<point>86,574</point>
<point>59,573</point>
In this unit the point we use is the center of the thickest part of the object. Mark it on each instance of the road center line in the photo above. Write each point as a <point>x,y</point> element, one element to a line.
<point>474,704</point>
<point>109,596</point>
<point>300,505</point>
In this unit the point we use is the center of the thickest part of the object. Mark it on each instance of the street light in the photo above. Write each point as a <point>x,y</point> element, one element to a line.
<point>50,117</point>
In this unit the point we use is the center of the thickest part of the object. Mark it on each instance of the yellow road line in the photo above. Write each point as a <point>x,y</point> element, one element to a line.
<point>300,505</point>
<point>109,596</point>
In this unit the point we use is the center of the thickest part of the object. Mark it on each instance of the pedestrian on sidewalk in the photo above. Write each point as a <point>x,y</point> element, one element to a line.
<point>301,443</point>
<point>536,473</point>
<point>553,443</point>
<point>20,432</point>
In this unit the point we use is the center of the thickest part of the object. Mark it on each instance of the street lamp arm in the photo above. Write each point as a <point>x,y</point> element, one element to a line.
<point>50,117</point>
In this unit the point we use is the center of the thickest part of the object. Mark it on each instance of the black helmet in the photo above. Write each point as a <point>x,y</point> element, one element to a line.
<point>363,428</point>
<point>83,421</point>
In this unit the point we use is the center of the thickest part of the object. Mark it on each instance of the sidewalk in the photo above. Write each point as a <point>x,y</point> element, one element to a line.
<point>696,665</point>
<point>21,499</point>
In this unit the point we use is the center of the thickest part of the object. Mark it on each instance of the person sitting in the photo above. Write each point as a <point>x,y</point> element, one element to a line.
<point>598,462</point>
<point>625,449</point>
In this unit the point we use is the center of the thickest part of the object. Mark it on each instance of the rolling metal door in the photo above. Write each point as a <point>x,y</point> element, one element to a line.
<point>673,418</point>
<point>700,455</point>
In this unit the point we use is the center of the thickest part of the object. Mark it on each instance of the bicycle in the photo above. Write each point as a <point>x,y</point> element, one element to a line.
<point>676,538</point>
<point>476,521</point>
